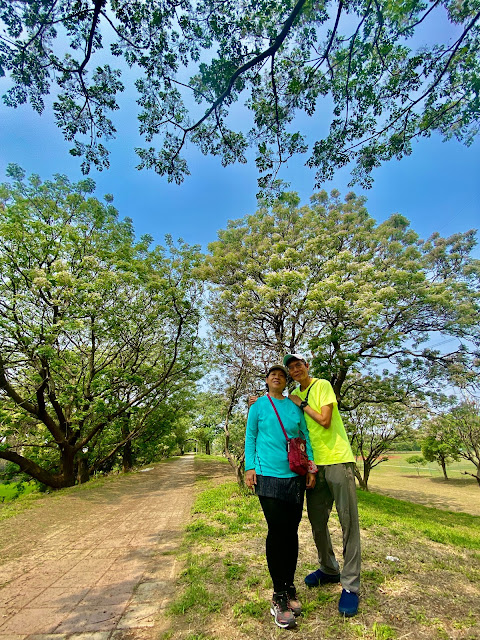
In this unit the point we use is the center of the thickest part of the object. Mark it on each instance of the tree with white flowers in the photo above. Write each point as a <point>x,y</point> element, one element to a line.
<point>97,330</point>
<point>363,298</point>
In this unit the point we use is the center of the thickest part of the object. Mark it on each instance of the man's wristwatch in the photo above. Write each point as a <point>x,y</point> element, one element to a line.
<point>303,404</point>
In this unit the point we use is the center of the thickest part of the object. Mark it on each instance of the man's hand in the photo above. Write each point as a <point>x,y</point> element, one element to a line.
<point>252,400</point>
<point>250,478</point>
<point>311,480</point>
<point>322,417</point>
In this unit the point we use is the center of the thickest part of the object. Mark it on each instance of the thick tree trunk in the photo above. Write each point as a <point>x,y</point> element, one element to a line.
<point>55,481</point>
<point>66,477</point>
<point>127,457</point>
<point>68,466</point>
<point>127,454</point>
<point>207,448</point>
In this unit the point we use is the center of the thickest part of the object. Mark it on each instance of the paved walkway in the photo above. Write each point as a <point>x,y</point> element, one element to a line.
<point>96,564</point>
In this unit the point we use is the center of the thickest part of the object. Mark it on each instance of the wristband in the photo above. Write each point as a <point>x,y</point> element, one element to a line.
<point>303,404</point>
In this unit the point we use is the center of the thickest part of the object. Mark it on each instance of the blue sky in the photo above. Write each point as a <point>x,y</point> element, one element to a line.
<point>437,188</point>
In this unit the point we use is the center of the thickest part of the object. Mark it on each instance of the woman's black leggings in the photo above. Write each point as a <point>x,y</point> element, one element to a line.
<point>283,519</point>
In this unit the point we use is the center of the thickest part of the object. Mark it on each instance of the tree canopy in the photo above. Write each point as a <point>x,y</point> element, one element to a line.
<point>459,429</point>
<point>439,444</point>
<point>363,298</point>
<point>373,429</point>
<point>380,69</point>
<point>98,331</point>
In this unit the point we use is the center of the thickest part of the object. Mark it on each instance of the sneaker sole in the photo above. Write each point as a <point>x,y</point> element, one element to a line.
<point>288,625</point>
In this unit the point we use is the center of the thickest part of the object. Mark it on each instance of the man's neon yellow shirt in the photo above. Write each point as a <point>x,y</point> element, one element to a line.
<point>330,446</point>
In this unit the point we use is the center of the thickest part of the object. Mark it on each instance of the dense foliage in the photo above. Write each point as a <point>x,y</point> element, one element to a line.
<point>98,331</point>
<point>100,350</point>
<point>360,296</point>
<point>379,74</point>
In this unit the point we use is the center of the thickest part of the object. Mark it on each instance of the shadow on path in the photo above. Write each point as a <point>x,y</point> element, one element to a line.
<point>97,562</point>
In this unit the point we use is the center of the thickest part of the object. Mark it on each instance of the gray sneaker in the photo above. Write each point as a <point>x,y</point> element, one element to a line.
<point>293,602</point>
<point>284,617</point>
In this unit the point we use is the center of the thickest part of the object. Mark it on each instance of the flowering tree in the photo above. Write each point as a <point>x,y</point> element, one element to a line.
<point>363,297</point>
<point>97,330</point>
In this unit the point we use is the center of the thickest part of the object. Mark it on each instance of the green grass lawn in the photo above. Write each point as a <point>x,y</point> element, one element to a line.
<point>397,463</point>
<point>430,591</point>
<point>13,490</point>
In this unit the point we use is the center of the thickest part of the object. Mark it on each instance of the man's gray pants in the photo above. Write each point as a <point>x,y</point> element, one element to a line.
<point>336,483</point>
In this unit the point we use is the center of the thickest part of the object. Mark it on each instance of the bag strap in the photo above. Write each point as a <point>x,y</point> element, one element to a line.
<point>281,423</point>
<point>309,389</point>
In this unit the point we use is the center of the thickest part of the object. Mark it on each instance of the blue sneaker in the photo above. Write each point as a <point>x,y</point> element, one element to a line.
<point>319,577</point>
<point>348,603</point>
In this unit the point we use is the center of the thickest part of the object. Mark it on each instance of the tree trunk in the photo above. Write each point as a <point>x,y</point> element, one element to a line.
<point>207,448</point>
<point>237,465</point>
<point>53,480</point>
<point>127,457</point>
<point>239,474</point>
<point>366,474</point>
<point>444,468</point>
<point>68,467</point>
<point>127,453</point>
<point>82,471</point>
<point>358,476</point>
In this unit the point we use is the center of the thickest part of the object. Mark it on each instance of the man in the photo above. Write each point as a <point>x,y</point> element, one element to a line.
<point>335,483</point>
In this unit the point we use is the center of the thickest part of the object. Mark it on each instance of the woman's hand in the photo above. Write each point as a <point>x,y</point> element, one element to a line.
<point>311,480</point>
<point>250,478</point>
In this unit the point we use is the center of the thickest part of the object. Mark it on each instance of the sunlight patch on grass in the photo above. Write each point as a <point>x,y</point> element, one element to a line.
<point>406,521</point>
<point>383,632</point>
<point>14,490</point>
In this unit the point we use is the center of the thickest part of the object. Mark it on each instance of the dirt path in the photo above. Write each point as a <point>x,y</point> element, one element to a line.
<point>96,564</point>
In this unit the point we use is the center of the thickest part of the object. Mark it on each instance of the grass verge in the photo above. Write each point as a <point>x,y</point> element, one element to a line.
<point>427,588</point>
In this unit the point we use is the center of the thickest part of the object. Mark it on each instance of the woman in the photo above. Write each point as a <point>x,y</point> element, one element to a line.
<point>279,489</point>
